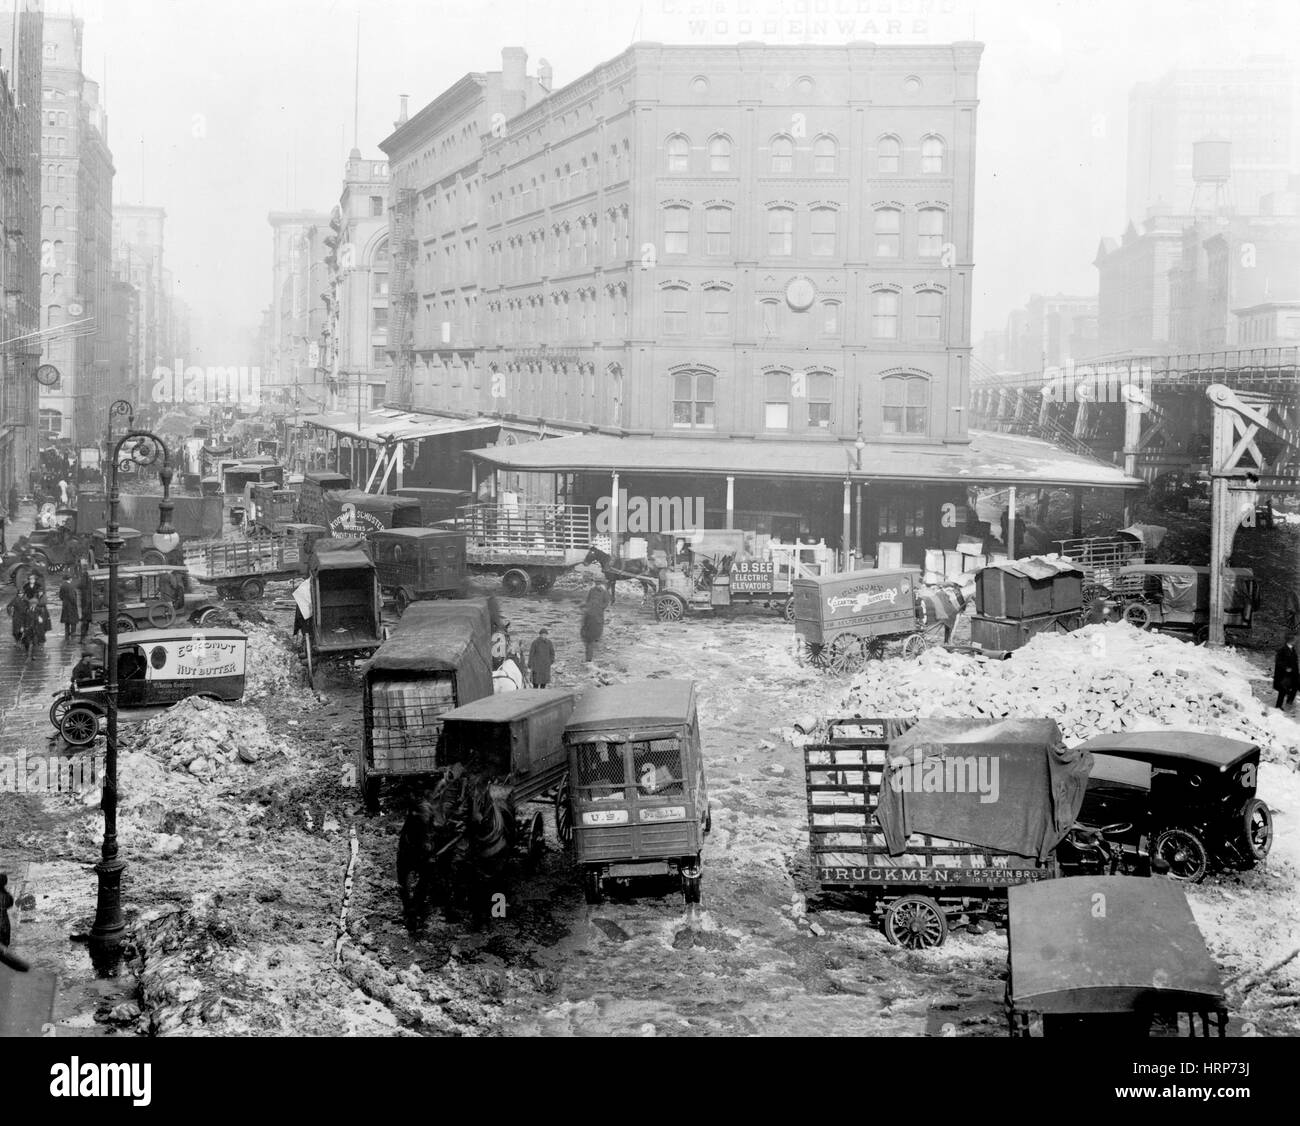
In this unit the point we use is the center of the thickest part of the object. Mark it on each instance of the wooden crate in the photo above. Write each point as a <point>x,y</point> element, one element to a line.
<point>1003,634</point>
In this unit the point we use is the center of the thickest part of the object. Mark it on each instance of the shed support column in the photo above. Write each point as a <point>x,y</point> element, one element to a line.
<point>473,480</point>
<point>401,462</point>
<point>731,503</point>
<point>1011,522</point>
<point>844,532</point>
<point>858,538</point>
<point>1132,440</point>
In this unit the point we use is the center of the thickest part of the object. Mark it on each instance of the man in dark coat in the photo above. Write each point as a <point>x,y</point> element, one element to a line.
<point>13,502</point>
<point>593,626</point>
<point>17,610</point>
<point>70,613</point>
<point>540,657</point>
<point>87,609</point>
<point>1286,673</point>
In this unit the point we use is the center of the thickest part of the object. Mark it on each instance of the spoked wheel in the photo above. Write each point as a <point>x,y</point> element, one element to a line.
<point>543,583</point>
<point>79,725</point>
<point>787,611</point>
<point>591,887</point>
<point>848,653</point>
<point>915,921</point>
<point>817,656</point>
<point>161,615</point>
<point>403,600</point>
<point>250,590</point>
<point>125,624</point>
<point>515,582</point>
<point>563,813</point>
<point>669,608</point>
<point>1185,853</point>
<point>1201,636</point>
<point>1257,823</point>
<point>307,653</point>
<point>58,710</point>
<point>1138,614</point>
<point>914,644</point>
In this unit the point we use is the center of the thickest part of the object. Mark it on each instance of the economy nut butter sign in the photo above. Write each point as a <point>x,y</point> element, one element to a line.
<point>196,659</point>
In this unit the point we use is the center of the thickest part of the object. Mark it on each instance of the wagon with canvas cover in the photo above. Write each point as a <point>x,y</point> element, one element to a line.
<point>1166,596</point>
<point>338,607</point>
<point>437,658</point>
<point>934,820</point>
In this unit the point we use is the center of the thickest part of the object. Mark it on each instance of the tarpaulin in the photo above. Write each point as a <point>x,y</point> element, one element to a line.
<point>1002,784</point>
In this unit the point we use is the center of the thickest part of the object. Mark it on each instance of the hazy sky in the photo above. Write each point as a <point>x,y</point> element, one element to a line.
<point>222,112</point>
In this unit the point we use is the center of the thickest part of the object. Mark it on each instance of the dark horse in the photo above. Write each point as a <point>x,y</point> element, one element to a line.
<point>630,569</point>
<point>454,846</point>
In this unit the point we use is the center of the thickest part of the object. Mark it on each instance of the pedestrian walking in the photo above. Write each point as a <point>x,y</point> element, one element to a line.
<point>36,623</point>
<point>87,610</point>
<point>13,502</point>
<point>1293,611</point>
<point>598,596</point>
<point>593,626</point>
<point>541,655</point>
<point>17,611</point>
<point>1286,672</point>
<point>70,614</point>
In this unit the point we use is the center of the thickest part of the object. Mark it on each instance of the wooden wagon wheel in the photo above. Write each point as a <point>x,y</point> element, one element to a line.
<point>848,653</point>
<point>1138,614</point>
<point>915,921</point>
<point>814,655</point>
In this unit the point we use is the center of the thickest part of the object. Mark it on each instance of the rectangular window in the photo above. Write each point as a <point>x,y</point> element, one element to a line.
<point>376,207</point>
<point>717,312</point>
<point>381,319</point>
<point>904,406</point>
<point>830,319</point>
<point>776,405</point>
<point>780,232</point>
<point>929,315</point>
<point>380,284</point>
<point>823,231</point>
<point>888,228</point>
<point>769,310</point>
<point>900,518</point>
<point>378,356</point>
<point>929,233</point>
<point>819,401</point>
<point>884,320</point>
<point>674,310</point>
<point>676,230</point>
<point>717,230</point>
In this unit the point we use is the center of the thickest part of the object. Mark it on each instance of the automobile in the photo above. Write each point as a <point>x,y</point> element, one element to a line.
<point>155,668</point>
<point>1089,955</point>
<point>1205,815</point>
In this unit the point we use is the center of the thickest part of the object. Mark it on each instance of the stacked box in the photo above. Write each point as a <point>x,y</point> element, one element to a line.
<point>406,722</point>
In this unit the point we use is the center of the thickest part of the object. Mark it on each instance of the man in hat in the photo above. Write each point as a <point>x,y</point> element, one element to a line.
<point>70,612</point>
<point>1286,672</point>
<point>540,657</point>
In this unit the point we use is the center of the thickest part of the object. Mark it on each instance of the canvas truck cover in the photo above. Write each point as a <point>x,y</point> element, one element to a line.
<point>442,637</point>
<point>326,547</point>
<point>1004,784</point>
<point>636,704</point>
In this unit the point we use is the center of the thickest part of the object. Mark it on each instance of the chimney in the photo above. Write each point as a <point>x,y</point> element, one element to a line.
<point>514,68</point>
<point>544,75</point>
<point>404,116</point>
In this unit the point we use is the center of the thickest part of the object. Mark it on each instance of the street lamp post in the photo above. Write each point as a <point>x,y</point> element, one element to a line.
<point>142,449</point>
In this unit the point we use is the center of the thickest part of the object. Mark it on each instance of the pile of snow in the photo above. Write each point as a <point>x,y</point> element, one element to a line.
<point>274,670</point>
<point>205,738</point>
<point>1098,679</point>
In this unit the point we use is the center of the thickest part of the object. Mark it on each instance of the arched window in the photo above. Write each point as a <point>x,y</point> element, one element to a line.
<point>53,315</point>
<point>818,386</point>
<point>888,231</point>
<point>674,307</point>
<point>769,310</point>
<point>47,215</point>
<point>677,226</point>
<point>824,155</point>
<point>931,154</point>
<point>717,230</point>
<point>929,314</point>
<point>59,216</point>
<point>929,232</point>
<point>824,221</point>
<point>904,403</point>
<point>782,155</point>
<point>679,154</point>
<point>780,231</point>
<point>719,155</point>
<point>693,400</point>
<point>830,318</point>
<point>776,401</point>
<point>889,155</point>
<point>884,315</point>
<point>56,285</point>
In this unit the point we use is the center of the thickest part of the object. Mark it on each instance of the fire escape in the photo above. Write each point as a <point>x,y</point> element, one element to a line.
<point>402,297</point>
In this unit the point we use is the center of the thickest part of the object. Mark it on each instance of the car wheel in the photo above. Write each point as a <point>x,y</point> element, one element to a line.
<point>1257,826</point>
<point>563,813</point>
<point>917,922</point>
<point>58,710</point>
<point>250,590</point>
<point>515,582</point>
<point>161,615</point>
<point>1138,614</point>
<point>1185,853</point>
<point>125,624</point>
<point>669,608</point>
<point>79,725</point>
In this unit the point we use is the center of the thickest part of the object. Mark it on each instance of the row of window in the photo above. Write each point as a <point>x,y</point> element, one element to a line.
<point>568,180</point>
<point>53,216</point>
<point>775,314</point>
<point>799,402</point>
<point>824,152</point>
<point>823,231</point>
<point>569,245</point>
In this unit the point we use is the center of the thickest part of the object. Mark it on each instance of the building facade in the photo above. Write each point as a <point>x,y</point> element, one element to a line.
<point>300,278</point>
<point>1051,331</point>
<point>21,56</point>
<point>354,340</point>
<point>76,247</point>
<point>138,249</point>
<point>1254,106</point>
<point>724,241</point>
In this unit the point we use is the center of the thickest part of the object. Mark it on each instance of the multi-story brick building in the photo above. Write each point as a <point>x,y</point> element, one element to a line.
<point>354,341</point>
<point>753,258</point>
<point>138,249</point>
<point>76,249</point>
<point>299,276</point>
<point>20,259</point>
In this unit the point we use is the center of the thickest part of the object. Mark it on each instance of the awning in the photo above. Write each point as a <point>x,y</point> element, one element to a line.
<point>379,426</point>
<point>989,459</point>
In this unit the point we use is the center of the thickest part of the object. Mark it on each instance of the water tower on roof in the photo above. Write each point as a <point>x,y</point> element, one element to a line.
<point>1211,174</point>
